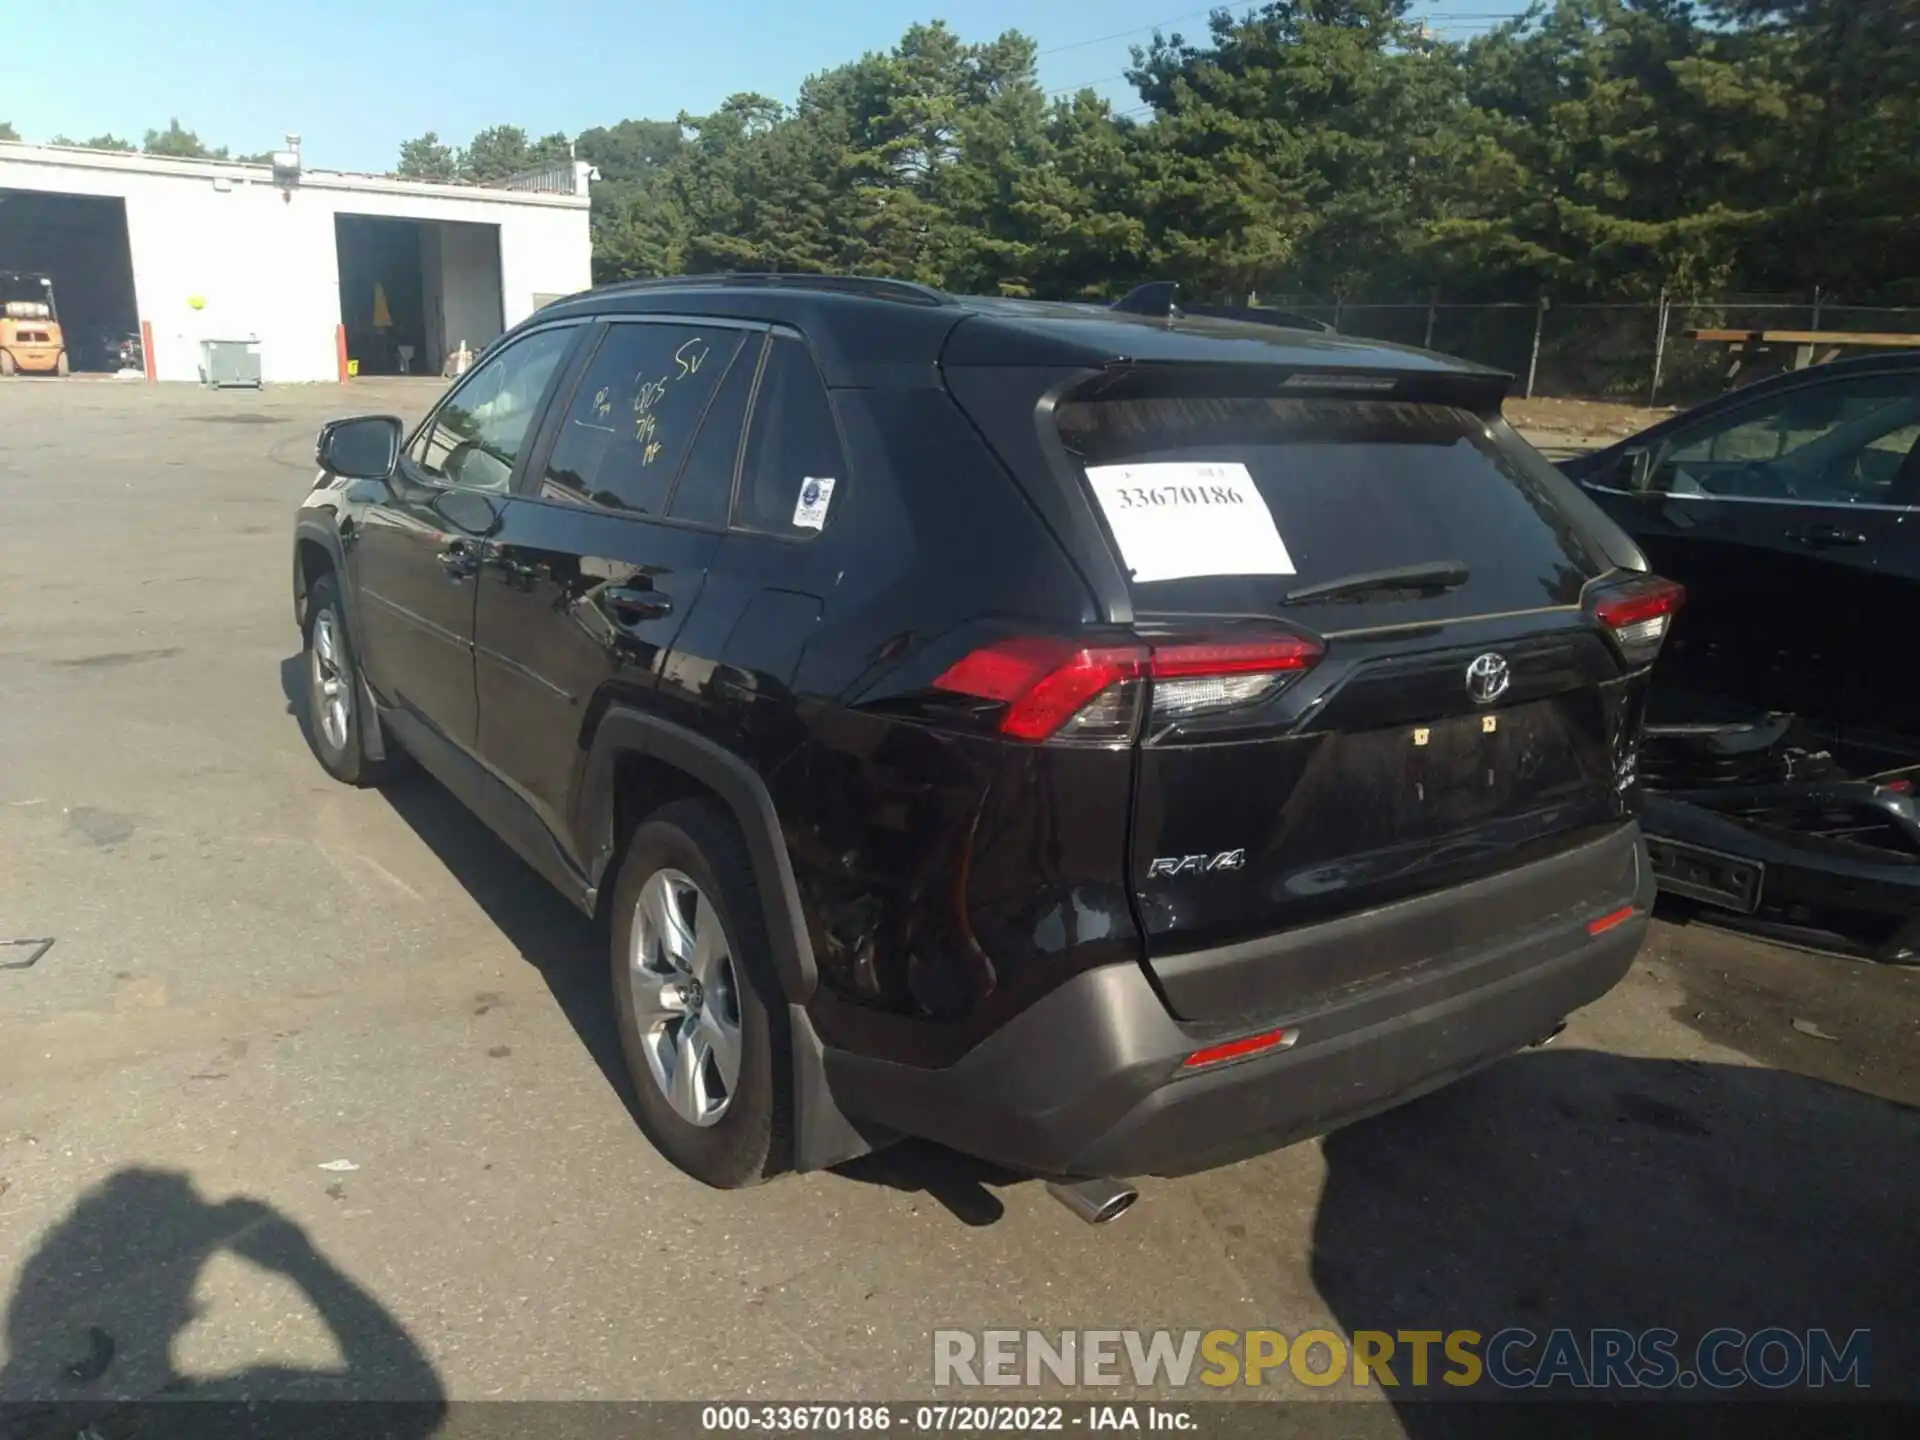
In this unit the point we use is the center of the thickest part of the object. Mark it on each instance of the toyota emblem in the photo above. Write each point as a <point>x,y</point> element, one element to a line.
<point>1488,678</point>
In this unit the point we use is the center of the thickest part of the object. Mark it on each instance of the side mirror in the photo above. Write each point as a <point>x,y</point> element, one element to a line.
<point>366,447</point>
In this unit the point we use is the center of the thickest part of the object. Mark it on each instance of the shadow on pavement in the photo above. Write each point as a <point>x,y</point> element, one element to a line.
<point>919,1167</point>
<point>1583,1190</point>
<point>567,948</point>
<point>100,1303</point>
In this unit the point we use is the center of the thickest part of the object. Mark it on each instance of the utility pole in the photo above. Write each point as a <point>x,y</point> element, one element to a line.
<point>1660,347</point>
<point>1539,325</point>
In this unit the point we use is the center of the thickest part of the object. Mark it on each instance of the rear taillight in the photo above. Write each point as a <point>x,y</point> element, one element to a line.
<point>1047,684</point>
<point>1638,614</point>
<point>1056,690</point>
<point>1201,678</point>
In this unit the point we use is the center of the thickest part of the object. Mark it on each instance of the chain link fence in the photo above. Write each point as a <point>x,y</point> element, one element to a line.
<point>1642,352</point>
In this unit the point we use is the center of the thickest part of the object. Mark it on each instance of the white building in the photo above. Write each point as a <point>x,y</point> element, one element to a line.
<point>319,268</point>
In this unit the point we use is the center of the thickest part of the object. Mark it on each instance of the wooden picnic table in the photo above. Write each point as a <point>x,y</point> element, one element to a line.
<point>1810,347</point>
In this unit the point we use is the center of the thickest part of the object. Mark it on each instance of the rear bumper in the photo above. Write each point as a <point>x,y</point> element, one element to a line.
<point>1088,1081</point>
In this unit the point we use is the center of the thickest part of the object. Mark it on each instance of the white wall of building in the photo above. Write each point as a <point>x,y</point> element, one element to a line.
<point>260,259</point>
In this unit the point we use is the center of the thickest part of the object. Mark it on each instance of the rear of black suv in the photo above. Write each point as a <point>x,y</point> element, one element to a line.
<point>1298,807</point>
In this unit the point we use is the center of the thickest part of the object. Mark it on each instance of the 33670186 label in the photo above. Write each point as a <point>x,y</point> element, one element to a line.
<point>1174,520</point>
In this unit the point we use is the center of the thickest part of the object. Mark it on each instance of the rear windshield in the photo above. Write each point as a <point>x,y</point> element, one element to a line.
<point>1351,486</point>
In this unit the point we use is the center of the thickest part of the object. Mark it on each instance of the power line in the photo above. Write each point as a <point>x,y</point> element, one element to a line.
<point>1122,34</point>
<point>1084,85</point>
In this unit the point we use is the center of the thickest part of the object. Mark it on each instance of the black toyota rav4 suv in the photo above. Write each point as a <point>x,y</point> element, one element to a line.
<point>1106,743</point>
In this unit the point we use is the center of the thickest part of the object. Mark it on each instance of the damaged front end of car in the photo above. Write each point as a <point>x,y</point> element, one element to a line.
<point>1755,820</point>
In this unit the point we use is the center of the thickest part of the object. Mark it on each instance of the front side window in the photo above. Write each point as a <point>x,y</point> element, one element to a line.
<point>634,415</point>
<point>476,438</point>
<point>1842,442</point>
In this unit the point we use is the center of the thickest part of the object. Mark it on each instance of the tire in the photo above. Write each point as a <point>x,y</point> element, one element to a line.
<point>332,719</point>
<point>693,852</point>
<point>7,366</point>
<point>60,366</point>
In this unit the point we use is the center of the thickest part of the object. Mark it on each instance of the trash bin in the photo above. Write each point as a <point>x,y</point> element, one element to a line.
<point>226,364</point>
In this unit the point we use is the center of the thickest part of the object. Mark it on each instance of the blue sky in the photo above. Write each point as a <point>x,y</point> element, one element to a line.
<point>356,77</point>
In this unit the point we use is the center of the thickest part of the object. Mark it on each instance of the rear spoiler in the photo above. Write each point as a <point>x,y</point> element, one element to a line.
<point>1162,297</point>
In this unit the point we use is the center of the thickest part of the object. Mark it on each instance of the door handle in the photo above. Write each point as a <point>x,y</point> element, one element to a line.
<point>459,560</point>
<point>1827,535</point>
<point>632,604</point>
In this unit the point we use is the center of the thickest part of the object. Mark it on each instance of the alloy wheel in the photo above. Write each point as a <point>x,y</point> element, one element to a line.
<point>685,996</point>
<point>332,692</point>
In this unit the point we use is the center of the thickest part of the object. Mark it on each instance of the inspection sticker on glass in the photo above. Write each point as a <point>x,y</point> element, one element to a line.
<point>1173,520</point>
<point>810,510</point>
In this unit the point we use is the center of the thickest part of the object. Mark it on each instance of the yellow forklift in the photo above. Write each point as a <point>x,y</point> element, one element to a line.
<point>31,341</point>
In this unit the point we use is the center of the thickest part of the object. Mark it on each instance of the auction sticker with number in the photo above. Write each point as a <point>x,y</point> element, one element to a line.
<point>1177,519</point>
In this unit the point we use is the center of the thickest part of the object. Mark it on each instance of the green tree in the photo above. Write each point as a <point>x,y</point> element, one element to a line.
<point>554,149</point>
<point>1629,148</point>
<point>1842,208</point>
<point>98,142</point>
<point>638,225</point>
<point>493,155</point>
<point>499,153</point>
<point>425,158</point>
<point>1598,148</point>
<point>1077,203</point>
<point>179,143</point>
<point>7,132</point>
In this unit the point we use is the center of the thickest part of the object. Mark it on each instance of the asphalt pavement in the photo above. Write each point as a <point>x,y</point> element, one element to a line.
<point>316,1092</point>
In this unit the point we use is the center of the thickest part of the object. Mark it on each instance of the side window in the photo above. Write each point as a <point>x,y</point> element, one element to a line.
<point>705,487</point>
<point>477,435</point>
<point>633,416</point>
<point>1842,442</point>
<point>793,465</point>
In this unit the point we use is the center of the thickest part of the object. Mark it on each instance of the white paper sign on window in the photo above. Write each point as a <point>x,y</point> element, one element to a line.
<point>1174,520</point>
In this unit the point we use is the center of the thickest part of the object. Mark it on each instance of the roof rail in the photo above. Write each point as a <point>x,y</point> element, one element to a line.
<point>1162,297</point>
<point>872,286</point>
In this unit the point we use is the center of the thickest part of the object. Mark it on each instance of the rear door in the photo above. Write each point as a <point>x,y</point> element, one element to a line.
<point>595,569</point>
<point>1460,720</point>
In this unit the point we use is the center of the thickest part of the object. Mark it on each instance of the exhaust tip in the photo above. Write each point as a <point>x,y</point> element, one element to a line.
<point>1097,1202</point>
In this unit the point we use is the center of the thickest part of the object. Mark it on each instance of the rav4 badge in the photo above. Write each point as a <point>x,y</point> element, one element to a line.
<point>1168,865</point>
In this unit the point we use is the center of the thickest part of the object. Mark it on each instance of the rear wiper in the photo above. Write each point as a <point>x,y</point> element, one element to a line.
<point>1429,575</point>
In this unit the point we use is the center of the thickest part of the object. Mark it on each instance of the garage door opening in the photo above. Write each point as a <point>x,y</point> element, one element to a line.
<point>413,291</point>
<point>79,242</point>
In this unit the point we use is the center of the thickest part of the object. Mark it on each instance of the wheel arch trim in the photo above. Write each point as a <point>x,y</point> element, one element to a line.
<point>309,530</point>
<point>625,731</point>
